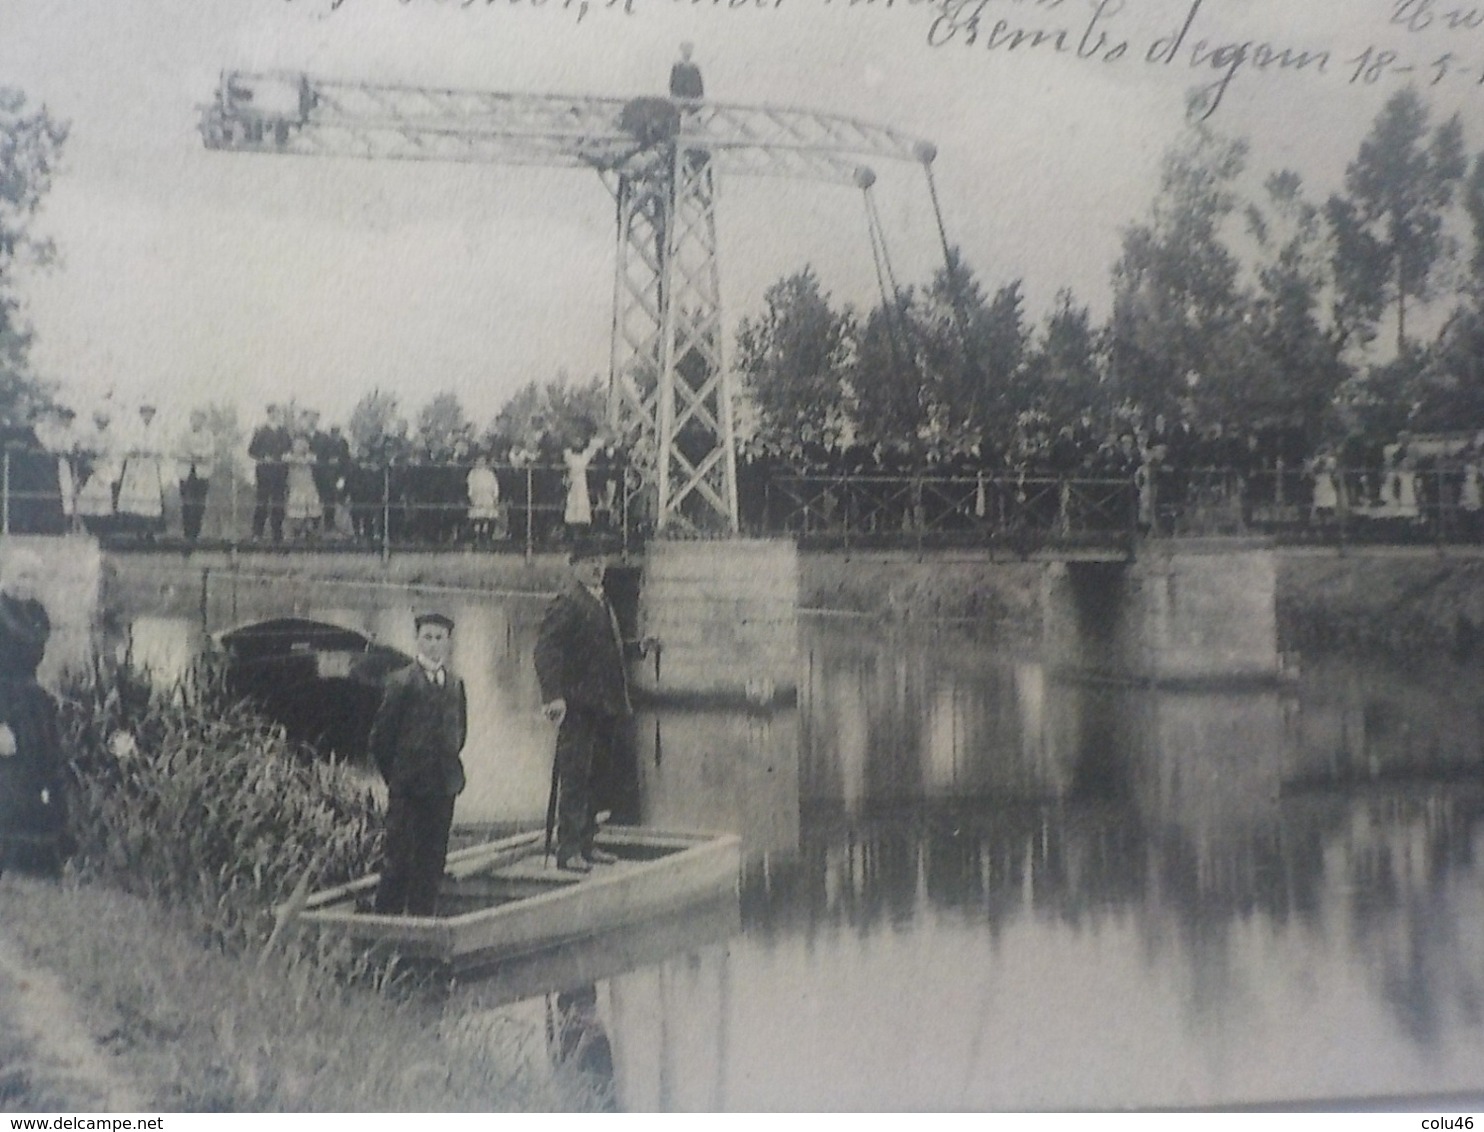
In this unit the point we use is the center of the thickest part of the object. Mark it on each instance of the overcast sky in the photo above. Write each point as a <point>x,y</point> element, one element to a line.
<point>188,276</point>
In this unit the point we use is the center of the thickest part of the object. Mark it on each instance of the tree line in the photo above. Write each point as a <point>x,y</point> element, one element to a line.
<point>1356,314</point>
<point>1359,313</point>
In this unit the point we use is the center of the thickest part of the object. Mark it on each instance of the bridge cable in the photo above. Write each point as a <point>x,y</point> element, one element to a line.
<point>886,278</point>
<point>955,292</point>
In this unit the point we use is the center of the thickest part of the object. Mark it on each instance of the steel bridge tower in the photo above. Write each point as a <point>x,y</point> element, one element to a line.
<point>671,394</point>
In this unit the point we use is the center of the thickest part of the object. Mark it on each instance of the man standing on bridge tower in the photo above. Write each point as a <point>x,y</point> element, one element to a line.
<point>685,77</point>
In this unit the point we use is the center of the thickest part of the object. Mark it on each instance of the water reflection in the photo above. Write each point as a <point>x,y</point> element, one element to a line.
<point>970,885</point>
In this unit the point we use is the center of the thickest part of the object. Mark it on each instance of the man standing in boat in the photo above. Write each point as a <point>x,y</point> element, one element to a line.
<point>584,690</point>
<point>416,740</point>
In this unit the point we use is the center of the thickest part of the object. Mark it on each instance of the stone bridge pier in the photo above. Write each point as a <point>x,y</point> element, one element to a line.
<point>1185,612</point>
<point>726,612</point>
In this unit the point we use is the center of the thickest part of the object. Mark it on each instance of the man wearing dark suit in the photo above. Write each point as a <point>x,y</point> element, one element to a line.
<point>269,449</point>
<point>416,738</point>
<point>584,690</point>
<point>685,77</point>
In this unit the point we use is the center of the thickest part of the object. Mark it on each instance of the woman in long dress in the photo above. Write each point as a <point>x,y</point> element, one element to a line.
<point>578,514</point>
<point>101,467</point>
<point>142,489</point>
<point>1326,488</point>
<point>1404,486</point>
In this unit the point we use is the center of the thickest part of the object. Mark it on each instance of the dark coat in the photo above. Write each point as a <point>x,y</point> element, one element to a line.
<point>31,799</point>
<point>579,657</point>
<point>24,629</point>
<point>418,733</point>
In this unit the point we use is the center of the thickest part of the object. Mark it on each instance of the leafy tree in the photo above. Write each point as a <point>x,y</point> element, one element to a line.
<point>554,416</point>
<point>1065,364</point>
<point>1300,367</point>
<point>376,429</point>
<point>1177,302</point>
<point>795,359</point>
<point>1390,237</point>
<point>30,146</point>
<point>944,366</point>
<point>1448,393</point>
<point>1473,204</point>
<point>443,429</point>
<point>1000,339</point>
<point>888,382</point>
<point>1380,400</point>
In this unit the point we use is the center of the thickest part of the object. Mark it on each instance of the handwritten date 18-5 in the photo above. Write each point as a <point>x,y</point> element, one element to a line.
<point>1375,64</point>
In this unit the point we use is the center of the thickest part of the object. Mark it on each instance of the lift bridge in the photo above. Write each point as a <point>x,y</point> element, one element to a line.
<point>670,393</point>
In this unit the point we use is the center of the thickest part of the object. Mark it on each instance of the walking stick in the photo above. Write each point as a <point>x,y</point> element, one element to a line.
<point>551,808</point>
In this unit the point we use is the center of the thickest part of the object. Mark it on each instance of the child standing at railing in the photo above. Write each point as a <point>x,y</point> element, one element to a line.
<point>483,490</point>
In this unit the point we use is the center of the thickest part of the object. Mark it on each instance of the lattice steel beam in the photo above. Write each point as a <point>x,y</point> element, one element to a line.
<point>670,390</point>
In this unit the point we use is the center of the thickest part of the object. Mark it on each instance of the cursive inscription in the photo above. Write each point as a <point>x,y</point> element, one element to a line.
<point>1427,42</point>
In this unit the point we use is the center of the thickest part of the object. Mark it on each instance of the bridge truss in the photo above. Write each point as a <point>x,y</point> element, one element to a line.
<point>671,394</point>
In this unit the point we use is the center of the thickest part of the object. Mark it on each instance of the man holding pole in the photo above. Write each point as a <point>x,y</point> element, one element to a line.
<point>584,691</point>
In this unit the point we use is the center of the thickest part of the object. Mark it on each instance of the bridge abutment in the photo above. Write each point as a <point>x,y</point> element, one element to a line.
<point>1203,612</point>
<point>726,615</point>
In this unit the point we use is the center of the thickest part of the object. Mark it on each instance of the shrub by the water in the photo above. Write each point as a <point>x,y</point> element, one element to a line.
<point>184,795</point>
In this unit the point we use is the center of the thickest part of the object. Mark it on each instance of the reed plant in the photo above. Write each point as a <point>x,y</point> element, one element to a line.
<point>191,817</point>
<point>183,794</point>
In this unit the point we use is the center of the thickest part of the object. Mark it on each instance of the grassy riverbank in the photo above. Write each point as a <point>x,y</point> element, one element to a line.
<point>191,818</point>
<point>26,1085</point>
<point>1407,603</point>
<point>197,1029</point>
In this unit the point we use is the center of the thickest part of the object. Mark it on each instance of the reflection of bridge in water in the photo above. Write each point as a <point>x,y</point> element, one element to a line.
<point>992,852</point>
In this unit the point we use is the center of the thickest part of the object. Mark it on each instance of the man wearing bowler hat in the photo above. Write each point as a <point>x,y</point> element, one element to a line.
<point>584,691</point>
<point>416,739</point>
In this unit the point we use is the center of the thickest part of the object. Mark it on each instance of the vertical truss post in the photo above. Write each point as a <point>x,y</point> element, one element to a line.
<point>669,390</point>
<point>638,319</point>
<point>699,475</point>
<point>665,426</point>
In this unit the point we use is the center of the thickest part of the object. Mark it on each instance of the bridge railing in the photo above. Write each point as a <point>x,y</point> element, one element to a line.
<point>365,505</point>
<point>357,504</point>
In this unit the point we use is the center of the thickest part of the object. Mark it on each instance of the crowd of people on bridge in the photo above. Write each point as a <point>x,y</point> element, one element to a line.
<point>1155,475</point>
<point>123,473</point>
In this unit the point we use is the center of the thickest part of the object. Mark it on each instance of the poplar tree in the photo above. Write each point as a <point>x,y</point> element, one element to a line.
<point>795,359</point>
<point>1177,325</point>
<point>1390,238</point>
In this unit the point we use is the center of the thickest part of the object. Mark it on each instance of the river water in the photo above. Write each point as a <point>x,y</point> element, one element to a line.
<point>970,885</point>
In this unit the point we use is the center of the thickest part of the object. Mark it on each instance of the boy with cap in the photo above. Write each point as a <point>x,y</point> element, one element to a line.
<point>416,739</point>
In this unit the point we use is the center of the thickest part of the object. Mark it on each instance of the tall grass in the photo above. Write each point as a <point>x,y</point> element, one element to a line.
<point>206,816</point>
<point>186,796</point>
<point>199,1030</point>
